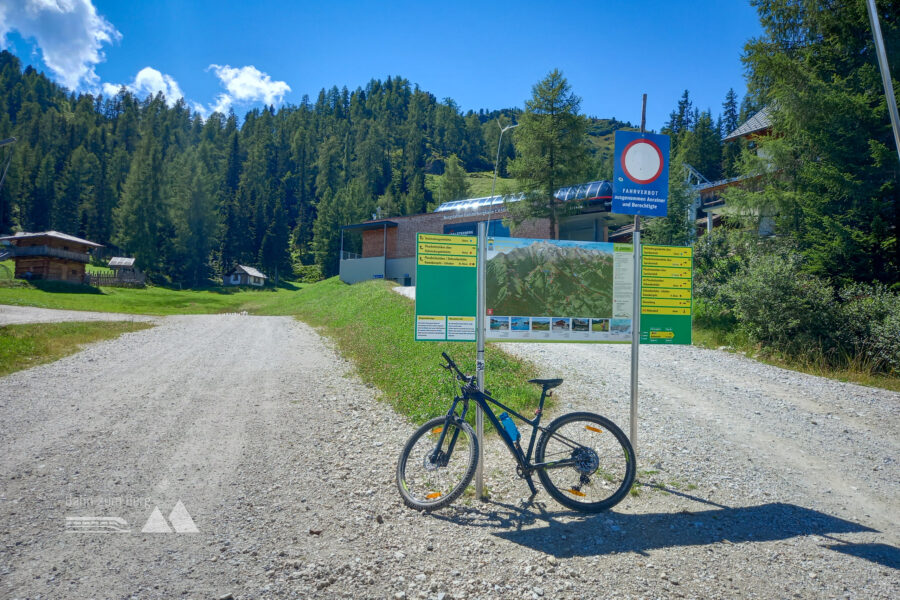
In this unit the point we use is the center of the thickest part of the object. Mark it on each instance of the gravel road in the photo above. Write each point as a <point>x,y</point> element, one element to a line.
<point>757,482</point>
<point>15,315</point>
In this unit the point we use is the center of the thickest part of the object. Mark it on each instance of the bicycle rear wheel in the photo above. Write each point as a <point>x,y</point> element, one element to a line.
<point>604,466</point>
<point>430,477</point>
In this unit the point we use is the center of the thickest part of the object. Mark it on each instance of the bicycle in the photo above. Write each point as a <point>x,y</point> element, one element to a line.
<point>583,460</point>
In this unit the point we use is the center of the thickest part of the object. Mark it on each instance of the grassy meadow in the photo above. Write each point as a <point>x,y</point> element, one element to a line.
<point>150,300</point>
<point>25,346</point>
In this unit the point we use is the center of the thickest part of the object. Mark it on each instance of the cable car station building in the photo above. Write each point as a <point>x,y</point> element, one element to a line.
<point>388,246</point>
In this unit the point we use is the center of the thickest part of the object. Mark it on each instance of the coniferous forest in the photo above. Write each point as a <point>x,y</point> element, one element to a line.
<point>189,196</point>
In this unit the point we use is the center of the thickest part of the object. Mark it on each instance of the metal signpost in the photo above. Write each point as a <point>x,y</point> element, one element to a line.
<point>640,187</point>
<point>479,358</point>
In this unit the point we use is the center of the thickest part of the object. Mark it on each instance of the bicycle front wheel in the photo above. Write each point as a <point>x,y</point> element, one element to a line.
<point>431,476</point>
<point>601,461</point>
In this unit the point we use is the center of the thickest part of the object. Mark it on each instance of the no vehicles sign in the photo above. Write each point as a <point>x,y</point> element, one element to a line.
<point>641,174</point>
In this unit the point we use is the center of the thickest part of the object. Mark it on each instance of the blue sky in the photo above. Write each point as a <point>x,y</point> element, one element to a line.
<point>483,55</point>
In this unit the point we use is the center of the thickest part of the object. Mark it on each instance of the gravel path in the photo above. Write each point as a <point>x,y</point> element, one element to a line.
<point>15,315</point>
<point>285,463</point>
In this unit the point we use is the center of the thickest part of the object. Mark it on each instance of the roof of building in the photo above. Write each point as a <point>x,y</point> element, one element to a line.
<point>592,190</point>
<point>371,225</point>
<point>248,270</point>
<point>23,235</point>
<point>758,122</point>
<point>120,261</point>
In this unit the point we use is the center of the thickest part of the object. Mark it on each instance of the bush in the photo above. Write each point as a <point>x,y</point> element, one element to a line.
<point>869,327</point>
<point>308,273</point>
<point>782,307</point>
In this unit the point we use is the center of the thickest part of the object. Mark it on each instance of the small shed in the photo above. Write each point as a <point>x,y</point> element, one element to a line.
<point>244,275</point>
<point>49,255</point>
<point>123,266</point>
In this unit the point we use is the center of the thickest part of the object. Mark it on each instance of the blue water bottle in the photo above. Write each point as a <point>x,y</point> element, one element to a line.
<point>510,427</point>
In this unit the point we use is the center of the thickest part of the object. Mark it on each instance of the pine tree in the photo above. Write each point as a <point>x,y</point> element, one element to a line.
<point>454,185</point>
<point>553,152</point>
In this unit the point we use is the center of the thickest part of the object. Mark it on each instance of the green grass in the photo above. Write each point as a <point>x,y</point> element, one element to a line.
<point>7,269</point>
<point>373,327</point>
<point>733,340</point>
<point>149,300</point>
<point>479,185</point>
<point>25,346</point>
<point>99,270</point>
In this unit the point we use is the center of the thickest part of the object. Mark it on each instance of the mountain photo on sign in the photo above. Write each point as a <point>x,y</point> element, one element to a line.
<point>548,277</point>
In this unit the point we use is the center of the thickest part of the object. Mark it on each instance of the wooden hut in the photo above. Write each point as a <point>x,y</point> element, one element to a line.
<point>50,255</point>
<point>243,275</point>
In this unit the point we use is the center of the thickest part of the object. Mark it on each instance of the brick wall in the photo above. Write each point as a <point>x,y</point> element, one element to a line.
<point>401,240</point>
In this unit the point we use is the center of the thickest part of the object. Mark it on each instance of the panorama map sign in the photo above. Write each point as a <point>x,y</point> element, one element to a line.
<point>558,290</point>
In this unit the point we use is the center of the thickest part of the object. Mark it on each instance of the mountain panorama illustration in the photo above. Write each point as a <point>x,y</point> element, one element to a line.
<point>546,279</point>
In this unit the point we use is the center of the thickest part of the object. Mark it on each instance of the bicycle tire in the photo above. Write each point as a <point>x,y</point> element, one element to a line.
<point>607,466</point>
<point>427,486</point>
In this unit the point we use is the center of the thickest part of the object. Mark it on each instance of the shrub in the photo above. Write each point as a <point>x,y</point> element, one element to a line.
<point>780,306</point>
<point>869,326</point>
<point>308,273</point>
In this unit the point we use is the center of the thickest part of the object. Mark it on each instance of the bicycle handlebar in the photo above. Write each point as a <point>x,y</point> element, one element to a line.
<point>451,366</point>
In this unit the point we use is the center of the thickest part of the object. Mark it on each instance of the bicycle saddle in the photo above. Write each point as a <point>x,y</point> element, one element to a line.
<point>547,383</point>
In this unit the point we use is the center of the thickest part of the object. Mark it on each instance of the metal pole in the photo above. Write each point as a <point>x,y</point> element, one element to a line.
<point>497,165</point>
<point>636,309</point>
<point>479,356</point>
<point>885,72</point>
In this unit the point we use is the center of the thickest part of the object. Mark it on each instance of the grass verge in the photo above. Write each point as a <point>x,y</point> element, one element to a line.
<point>734,340</point>
<point>150,300</point>
<point>373,327</point>
<point>25,346</point>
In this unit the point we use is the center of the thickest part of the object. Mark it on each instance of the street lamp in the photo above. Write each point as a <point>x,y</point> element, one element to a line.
<point>496,167</point>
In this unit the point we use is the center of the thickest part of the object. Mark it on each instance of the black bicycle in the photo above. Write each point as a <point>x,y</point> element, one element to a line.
<point>582,459</point>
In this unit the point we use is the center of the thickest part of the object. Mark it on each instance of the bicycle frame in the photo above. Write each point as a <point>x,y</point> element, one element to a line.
<point>523,459</point>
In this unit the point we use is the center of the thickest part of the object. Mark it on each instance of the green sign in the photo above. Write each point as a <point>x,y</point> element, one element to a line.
<point>446,287</point>
<point>666,279</point>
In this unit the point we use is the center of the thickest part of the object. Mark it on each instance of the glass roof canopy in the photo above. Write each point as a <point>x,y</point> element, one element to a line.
<point>594,190</point>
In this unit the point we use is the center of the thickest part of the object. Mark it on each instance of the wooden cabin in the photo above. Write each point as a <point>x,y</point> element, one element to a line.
<point>243,275</point>
<point>50,255</point>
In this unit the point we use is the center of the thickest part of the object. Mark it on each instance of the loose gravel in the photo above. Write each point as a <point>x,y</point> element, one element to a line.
<point>755,482</point>
<point>17,315</point>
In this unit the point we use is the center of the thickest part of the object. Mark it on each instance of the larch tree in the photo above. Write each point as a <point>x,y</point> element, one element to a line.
<point>552,146</point>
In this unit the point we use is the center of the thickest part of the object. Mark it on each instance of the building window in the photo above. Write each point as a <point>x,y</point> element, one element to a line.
<point>495,228</point>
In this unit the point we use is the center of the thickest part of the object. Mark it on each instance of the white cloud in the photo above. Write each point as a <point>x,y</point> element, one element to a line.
<point>149,81</point>
<point>69,33</point>
<point>246,84</point>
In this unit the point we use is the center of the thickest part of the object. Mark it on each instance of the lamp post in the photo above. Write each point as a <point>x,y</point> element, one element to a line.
<point>497,160</point>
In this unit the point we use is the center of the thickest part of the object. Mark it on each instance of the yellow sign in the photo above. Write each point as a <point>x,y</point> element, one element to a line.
<point>665,302</point>
<point>448,249</point>
<point>662,335</point>
<point>666,261</point>
<point>684,294</point>
<point>664,272</point>
<point>469,240</point>
<point>666,251</point>
<point>656,282</point>
<point>660,310</point>
<point>438,260</point>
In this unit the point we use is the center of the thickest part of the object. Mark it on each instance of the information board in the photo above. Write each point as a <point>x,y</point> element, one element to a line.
<point>446,286</point>
<point>558,290</point>
<point>666,303</point>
